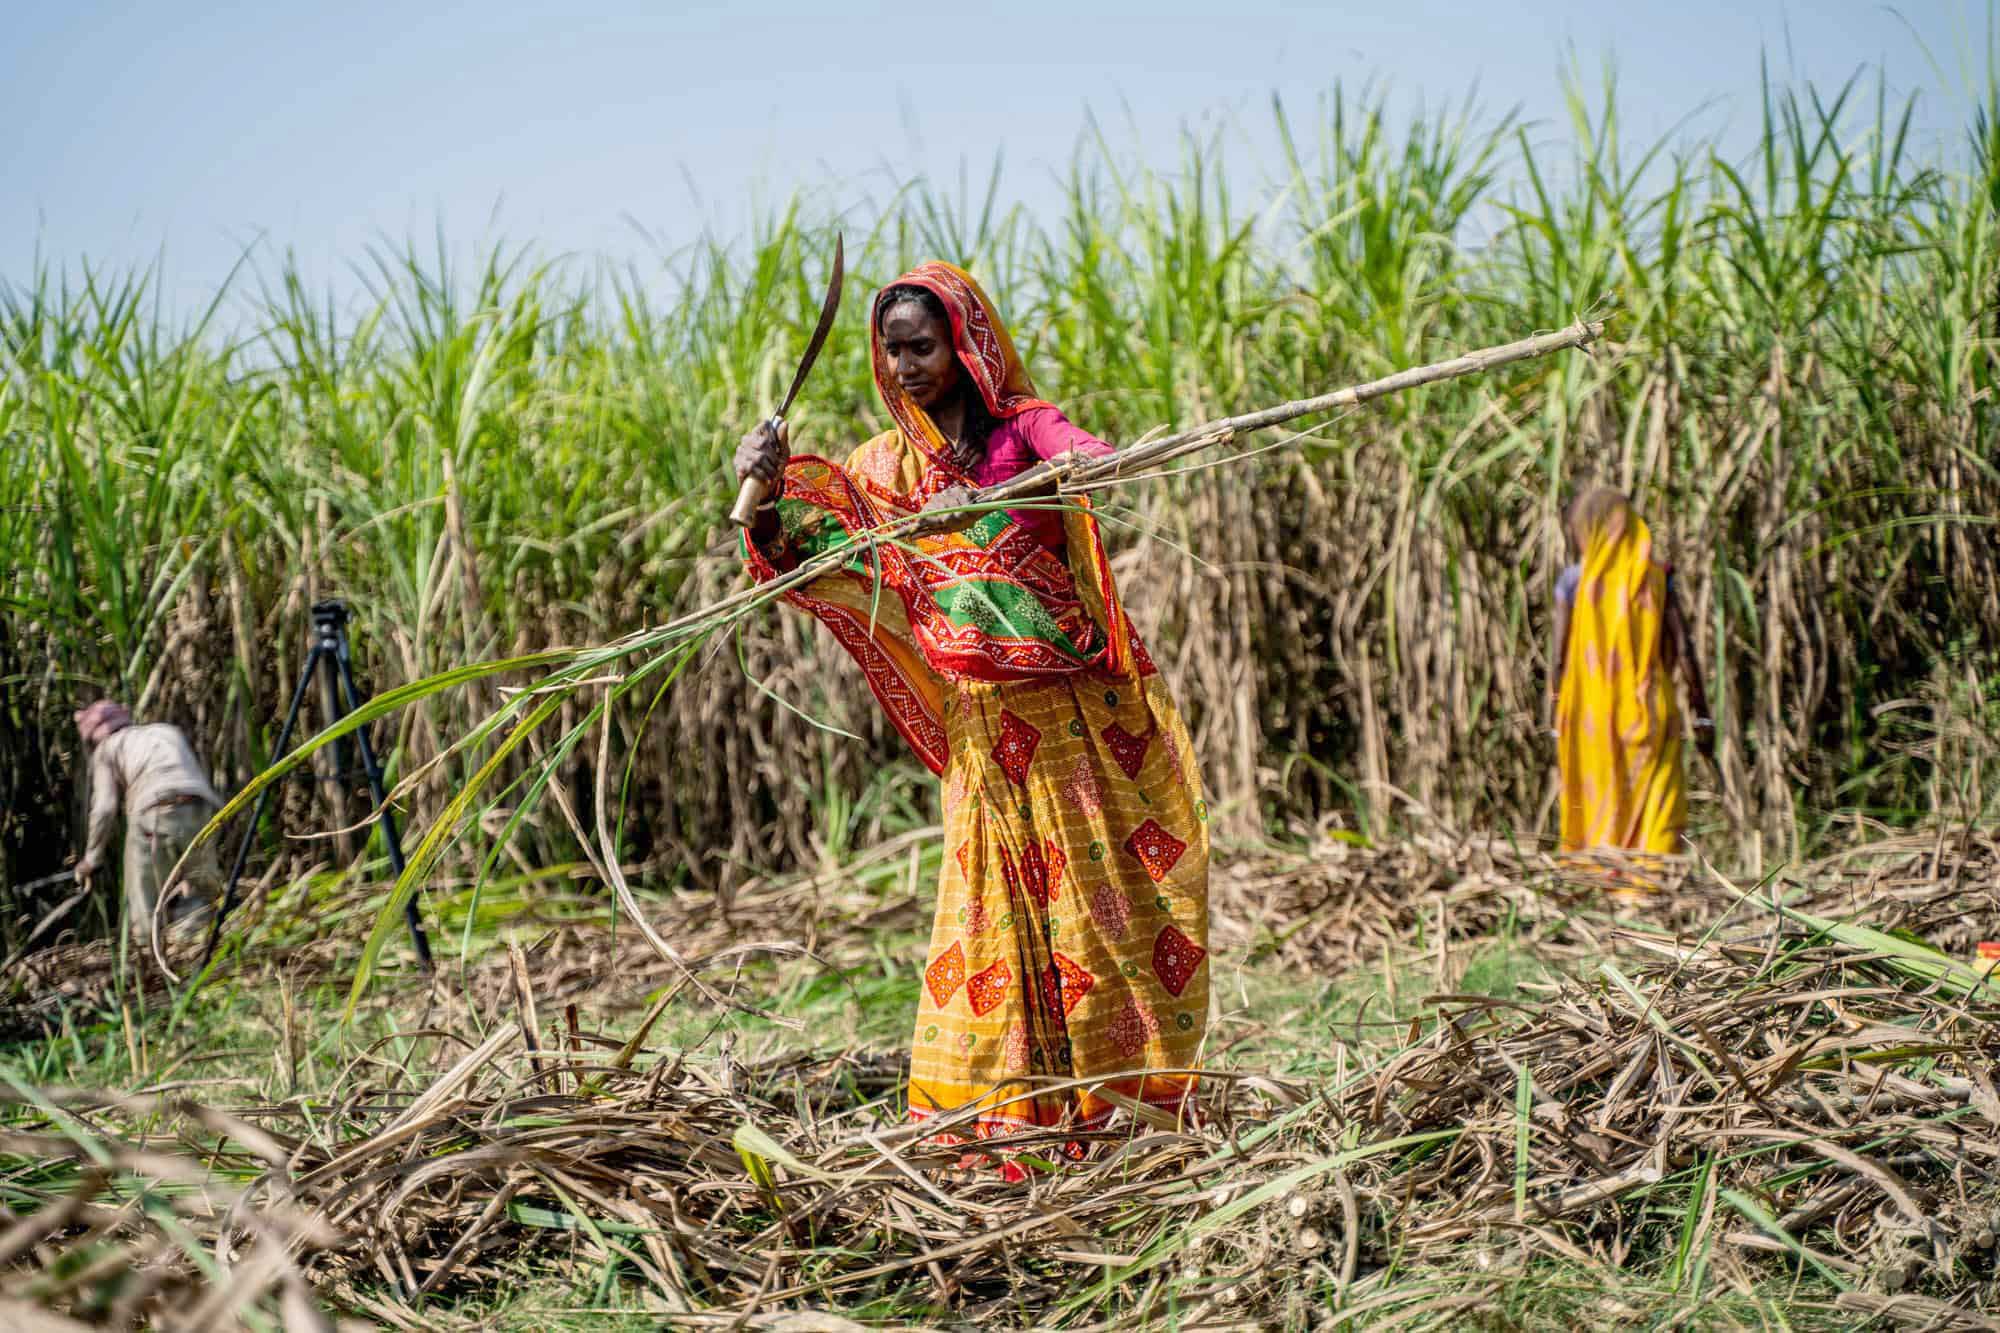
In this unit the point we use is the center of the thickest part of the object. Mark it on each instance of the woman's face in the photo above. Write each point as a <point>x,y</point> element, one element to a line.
<point>918,345</point>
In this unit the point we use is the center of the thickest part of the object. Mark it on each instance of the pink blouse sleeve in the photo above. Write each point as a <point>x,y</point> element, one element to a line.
<point>1049,433</point>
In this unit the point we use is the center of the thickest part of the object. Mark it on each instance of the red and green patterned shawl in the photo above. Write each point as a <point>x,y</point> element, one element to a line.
<point>990,603</point>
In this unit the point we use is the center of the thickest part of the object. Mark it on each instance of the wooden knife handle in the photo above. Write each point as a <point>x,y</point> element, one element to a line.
<point>752,492</point>
<point>748,497</point>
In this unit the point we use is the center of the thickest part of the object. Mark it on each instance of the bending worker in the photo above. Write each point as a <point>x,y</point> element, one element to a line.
<point>167,798</point>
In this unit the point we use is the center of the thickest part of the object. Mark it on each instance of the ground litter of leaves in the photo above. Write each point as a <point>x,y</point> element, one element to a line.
<point>1711,1091</point>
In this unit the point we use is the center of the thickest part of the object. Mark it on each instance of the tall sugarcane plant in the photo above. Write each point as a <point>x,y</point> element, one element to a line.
<point>501,461</point>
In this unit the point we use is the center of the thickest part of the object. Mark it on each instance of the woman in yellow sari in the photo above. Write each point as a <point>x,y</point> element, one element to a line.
<point>1072,915</point>
<point>1620,637</point>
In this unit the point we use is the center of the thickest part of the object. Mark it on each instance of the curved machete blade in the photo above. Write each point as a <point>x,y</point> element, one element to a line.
<point>826,312</point>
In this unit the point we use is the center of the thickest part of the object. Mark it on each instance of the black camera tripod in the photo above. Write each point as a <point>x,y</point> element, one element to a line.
<point>329,651</point>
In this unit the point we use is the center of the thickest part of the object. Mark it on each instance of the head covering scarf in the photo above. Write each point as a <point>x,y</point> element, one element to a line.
<point>980,344</point>
<point>101,719</point>
<point>1617,717</point>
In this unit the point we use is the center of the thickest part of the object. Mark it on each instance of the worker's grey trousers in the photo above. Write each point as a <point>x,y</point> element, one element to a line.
<point>154,841</point>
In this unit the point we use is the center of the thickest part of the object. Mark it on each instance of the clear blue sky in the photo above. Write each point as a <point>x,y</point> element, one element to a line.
<point>135,127</point>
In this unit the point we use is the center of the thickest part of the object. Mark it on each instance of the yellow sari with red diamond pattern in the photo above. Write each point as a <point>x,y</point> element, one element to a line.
<point>1071,935</point>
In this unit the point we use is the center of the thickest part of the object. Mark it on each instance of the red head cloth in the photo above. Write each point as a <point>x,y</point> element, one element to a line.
<point>101,719</point>
<point>978,338</point>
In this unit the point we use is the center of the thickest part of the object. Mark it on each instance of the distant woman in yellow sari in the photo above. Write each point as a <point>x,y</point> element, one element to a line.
<point>1620,637</point>
<point>1072,915</point>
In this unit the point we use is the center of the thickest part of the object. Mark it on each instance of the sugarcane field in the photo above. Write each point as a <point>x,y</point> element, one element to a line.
<point>1291,671</point>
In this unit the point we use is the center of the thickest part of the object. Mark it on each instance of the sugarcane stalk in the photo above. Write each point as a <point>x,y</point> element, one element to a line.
<point>1082,474</point>
<point>1074,474</point>
<point>1078,474</point>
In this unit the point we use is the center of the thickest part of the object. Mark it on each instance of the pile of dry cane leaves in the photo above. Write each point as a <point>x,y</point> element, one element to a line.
<point>1722,1109</point>
<point>1342,905</point>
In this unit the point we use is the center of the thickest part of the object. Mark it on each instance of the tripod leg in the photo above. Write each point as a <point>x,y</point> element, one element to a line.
<point>350,699</point>
<point>257,811</point>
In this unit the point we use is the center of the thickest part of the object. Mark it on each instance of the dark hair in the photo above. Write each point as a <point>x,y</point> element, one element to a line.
<point>979,423</point>
<point>903,293</point>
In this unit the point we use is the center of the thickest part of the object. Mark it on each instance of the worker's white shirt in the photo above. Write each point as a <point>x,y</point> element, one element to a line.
<point>143,765</point>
